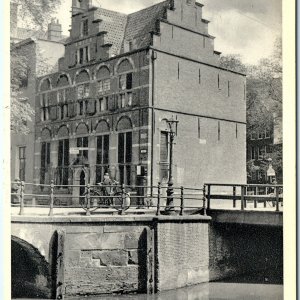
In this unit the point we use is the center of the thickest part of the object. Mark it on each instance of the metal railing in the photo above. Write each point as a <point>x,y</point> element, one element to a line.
<point>245,193</point>
<point>120,199</point>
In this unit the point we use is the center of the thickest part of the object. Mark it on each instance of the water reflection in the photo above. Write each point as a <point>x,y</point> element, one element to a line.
<point>208,291</point>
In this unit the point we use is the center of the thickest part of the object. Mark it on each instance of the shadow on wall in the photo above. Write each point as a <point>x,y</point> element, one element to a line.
<point>29,271</point>
<point>246,254</point>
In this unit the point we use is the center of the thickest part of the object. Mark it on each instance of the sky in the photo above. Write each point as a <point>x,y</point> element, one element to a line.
<point>245,27</point>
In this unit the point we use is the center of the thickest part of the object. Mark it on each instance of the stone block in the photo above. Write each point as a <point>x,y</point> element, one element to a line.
<point>132,240</point>
<point>89,263</point>
<point>111,258</point>
<point>86,254</point>
<point>83,229</point>
<point>73,258</point>
<point>90,241</point>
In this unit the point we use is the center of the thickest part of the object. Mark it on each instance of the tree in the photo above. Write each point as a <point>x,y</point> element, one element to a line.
<point>37,13</point>
<point>264,100</point>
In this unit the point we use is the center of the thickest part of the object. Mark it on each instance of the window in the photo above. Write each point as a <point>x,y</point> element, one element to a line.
<point>83,91</point>
<point>121,101</point>
<point>24,79</point>
<point>125,157</point>
<point>253,136</point>
<point>267,134</point>
<point>81,108</point>
<point>103,104</point>
<point>83,142</point>
<point>129,99</point>
<point>44,101</point>
<point>103,85</point>
<point>85,27</point>
<point>102,157</point>
<point>262,152</point>
<point>63,162</point>
<point>253,152</point>
<point>63,111</point>
<point>164,155</point>
<point>261,135</point>
<point>45,161</point>
<point>125,81</point>
<point>81,55</point>
<point>61,96</point>
<point>87,54</point>
<point>22,163</point>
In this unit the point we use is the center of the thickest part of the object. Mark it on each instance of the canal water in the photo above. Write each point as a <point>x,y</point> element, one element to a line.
<point>207,291</point>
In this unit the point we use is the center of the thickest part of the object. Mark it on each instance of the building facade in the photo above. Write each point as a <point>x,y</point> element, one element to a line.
<point>39,56</point>
<point>121,79</point>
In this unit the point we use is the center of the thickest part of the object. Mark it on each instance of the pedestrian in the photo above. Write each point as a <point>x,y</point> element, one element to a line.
<point>15,190</point>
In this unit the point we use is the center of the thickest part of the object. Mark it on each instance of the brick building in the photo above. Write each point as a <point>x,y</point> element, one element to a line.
<point>121,78</point>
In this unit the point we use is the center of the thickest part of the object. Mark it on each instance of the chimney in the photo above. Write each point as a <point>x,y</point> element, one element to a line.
<point>54,31</point>
<point>13,18</point>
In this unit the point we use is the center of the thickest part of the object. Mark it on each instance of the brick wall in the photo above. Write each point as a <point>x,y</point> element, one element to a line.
<point>181,254</point>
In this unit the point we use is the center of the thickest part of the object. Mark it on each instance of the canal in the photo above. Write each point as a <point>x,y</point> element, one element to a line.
<point>207,291</point>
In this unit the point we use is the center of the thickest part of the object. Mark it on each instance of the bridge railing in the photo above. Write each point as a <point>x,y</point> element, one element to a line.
<point>268,194</point>
<point>91,198</point>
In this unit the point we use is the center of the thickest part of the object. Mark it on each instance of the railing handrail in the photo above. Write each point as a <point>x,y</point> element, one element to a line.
<point>243,185</point>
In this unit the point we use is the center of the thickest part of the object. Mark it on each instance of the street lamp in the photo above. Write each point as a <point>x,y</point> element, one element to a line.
<point>271,172</point>
<point>172,123</point>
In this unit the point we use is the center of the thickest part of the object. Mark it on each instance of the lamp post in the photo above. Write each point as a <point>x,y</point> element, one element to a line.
<point>271,172</point>
<point>172,123</point>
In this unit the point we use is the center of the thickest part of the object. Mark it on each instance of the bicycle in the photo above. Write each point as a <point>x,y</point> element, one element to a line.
<point>101,198</point>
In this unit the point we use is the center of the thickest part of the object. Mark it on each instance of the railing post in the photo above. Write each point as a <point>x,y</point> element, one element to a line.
<point>242,198</point>
<point>208,196</point>
<point>234,197</point>
<point>158,199</point>
<point>182,201</point>
<point>204,200</point>
<point>22,198</point>
<point>88,199</point>
<point>277,198</point>
<point>51,198</point>
<point>123,199</point>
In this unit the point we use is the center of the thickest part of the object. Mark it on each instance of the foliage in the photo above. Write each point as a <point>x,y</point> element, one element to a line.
<point>37,13</point>
<point>264,100</point>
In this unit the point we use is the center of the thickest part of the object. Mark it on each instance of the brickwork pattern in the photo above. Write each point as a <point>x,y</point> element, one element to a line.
<point>182,255</point>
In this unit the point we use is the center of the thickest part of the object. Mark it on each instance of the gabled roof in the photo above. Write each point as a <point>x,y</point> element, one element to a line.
<point>141,23</point>
<point>121,27</point>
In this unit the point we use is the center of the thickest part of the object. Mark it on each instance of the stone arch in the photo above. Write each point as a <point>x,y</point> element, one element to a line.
<point>102,126</point>
<point>63,80</point>
<point>63,132</point>
<point>45,85</point>
<point>102,72</point>
<point>124,123</point>
<point>124,65</point>
<point>82,76</point>
<point>82,129</point>
<point>46,134</point>
<point>31,276</point>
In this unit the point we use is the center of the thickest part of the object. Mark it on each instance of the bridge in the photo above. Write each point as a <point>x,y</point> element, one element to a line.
<point>210,233</point>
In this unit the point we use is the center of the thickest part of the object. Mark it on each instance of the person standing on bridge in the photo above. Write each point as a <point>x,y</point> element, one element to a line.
<point>15,187</point>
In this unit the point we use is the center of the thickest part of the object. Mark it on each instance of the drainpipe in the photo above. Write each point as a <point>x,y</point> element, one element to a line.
<point>153,58</point>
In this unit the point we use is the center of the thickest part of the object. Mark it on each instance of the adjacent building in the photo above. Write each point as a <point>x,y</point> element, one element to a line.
<point>40,53</point>
<point>121,78</point>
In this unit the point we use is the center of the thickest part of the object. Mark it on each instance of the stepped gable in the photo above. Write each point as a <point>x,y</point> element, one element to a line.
<point>141,23</point>
<point>114,23</point>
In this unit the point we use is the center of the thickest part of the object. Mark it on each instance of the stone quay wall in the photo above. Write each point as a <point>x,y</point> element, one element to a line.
<point>102,255</point>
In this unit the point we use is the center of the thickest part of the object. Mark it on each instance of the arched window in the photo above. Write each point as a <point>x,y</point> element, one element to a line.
<point>103,78</point>
<point>125,83</point>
